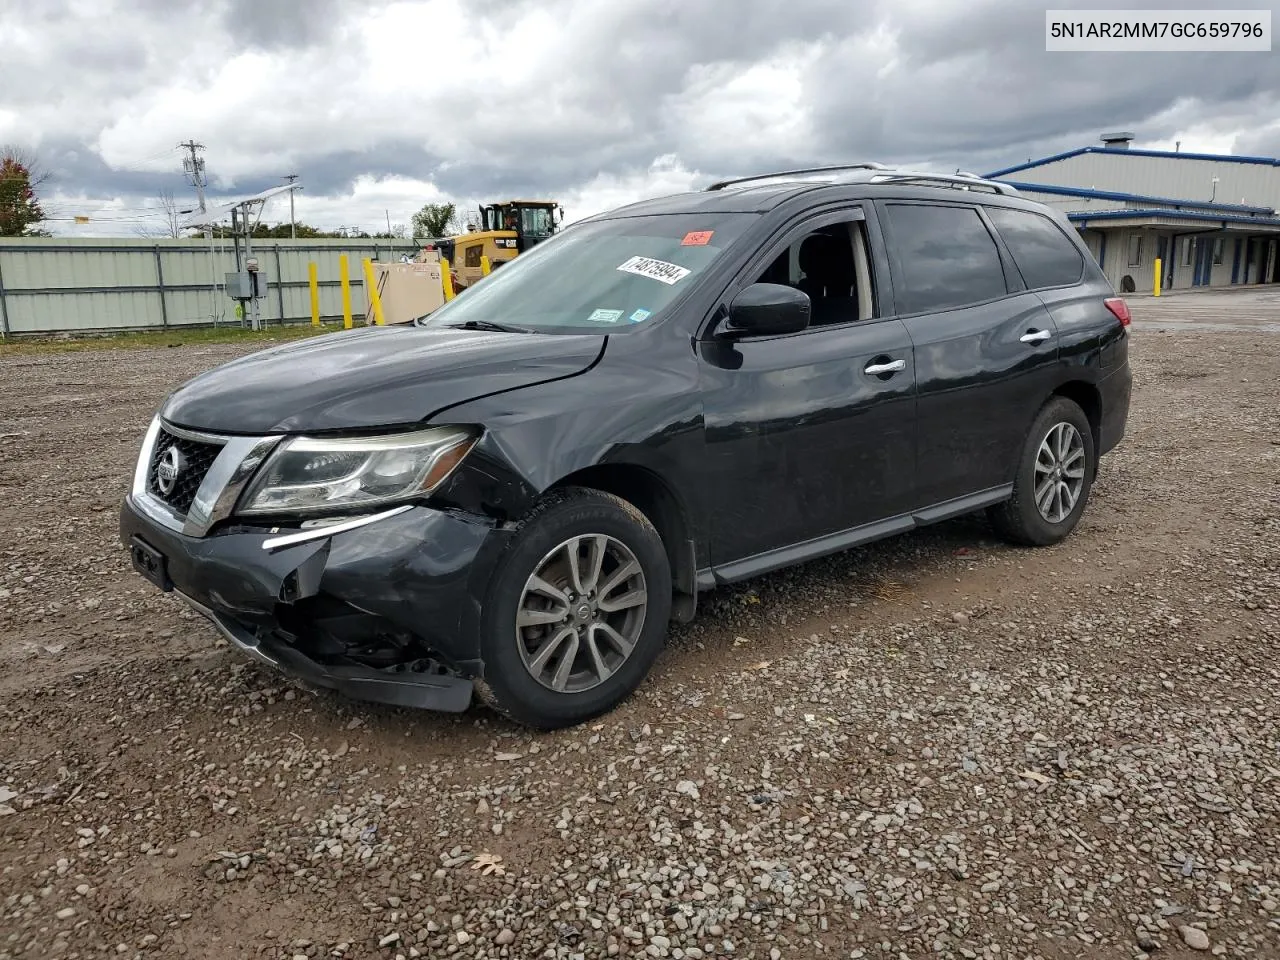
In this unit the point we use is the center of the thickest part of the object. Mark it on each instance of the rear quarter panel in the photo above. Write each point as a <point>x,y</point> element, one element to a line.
<point>1092,342</point>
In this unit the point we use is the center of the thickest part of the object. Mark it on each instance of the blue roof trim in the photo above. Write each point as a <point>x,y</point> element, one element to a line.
<point>1135,197</point>
<point>1215,157</point>
<point>1172,215</point>
<point>1038,163</point>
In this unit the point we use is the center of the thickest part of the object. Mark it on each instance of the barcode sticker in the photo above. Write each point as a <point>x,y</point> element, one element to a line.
<point>660,270</point>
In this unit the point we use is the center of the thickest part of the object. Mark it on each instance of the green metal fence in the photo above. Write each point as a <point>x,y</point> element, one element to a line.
<point>56,285</point>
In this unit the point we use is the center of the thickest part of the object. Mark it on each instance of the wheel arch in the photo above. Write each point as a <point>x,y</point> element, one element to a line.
<point>1089,399</point>
<point>655,497</point>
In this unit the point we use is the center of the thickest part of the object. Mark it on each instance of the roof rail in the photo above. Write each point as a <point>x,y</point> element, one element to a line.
<point>964,181</point>
<point>866,165</point>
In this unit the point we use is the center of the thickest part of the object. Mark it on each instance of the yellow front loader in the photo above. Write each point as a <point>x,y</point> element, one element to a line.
<point>505,229</point>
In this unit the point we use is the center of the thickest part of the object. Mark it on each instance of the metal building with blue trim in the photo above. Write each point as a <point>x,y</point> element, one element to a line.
<point>1211,219</point>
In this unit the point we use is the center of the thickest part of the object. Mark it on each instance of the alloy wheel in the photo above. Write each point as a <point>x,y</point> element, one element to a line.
<point>1059,472</point>
<point>581,613</point>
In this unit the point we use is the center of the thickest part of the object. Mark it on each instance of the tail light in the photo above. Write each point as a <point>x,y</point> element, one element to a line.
<point>1121,309</point>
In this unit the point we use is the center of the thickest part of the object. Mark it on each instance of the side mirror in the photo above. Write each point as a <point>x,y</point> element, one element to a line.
<point>769,309</point>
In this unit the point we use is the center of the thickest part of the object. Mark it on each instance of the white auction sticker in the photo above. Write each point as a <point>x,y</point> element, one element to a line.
<point>605,316</point>
<point>660,270</point>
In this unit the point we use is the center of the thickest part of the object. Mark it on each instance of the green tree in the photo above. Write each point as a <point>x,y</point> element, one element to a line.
<point>434,220</point>
<point>281,231</point>
<point>20,212</point>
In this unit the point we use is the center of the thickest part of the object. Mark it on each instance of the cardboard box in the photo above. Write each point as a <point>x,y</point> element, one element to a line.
<point>408,290</point>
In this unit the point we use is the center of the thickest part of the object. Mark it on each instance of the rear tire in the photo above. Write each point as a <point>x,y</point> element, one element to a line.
<point>576,611</point>
<point>1055,474</point>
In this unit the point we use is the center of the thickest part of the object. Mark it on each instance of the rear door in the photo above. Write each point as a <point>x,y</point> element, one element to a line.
<point>986,348</point>
<point>1092,342</point>
<point>811,434</point>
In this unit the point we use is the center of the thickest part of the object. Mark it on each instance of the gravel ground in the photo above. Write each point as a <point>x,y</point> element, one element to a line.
<point>937,746</point>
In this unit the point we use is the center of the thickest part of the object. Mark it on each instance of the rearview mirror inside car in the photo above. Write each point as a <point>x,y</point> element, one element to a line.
<point>768,309</point>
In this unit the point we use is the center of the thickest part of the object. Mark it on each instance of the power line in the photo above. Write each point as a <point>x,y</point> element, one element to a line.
<point>143,160</point>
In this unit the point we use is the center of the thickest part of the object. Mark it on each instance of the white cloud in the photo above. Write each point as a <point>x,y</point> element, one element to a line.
<point>368,205</point>
<point>738,115</point>
<point>386,106</point>
<point>607,191</point>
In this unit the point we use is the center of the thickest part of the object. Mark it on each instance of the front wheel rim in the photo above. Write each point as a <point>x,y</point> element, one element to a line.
<point>581,613</point>
<point>1059,472</point>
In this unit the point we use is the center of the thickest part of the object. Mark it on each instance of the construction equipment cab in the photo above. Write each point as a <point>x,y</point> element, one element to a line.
<point>505,230</point>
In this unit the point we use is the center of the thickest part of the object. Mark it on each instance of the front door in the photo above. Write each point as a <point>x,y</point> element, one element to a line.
<point>813,433</point>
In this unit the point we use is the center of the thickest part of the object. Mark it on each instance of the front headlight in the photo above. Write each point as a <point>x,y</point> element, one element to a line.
<point>314,474</point>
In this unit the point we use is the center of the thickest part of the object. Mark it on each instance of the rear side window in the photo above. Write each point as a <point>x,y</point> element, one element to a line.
<point>947,255</point>
<point>1045,256</point>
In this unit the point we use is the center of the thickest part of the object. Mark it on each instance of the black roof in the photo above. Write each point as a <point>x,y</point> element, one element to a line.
<point>759,195</point>
<point>755,199</point>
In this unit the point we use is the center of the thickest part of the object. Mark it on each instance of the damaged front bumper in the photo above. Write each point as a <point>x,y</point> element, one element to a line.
<point>385,611</point>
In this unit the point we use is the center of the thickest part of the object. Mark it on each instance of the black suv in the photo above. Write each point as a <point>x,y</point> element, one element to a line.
<point>515,494</point>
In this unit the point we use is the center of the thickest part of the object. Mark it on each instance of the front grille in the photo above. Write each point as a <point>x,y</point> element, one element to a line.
<point>196,459</point>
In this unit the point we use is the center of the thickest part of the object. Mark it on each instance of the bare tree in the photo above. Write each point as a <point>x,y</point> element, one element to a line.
<point>170,207</point>
<point>168,224</point>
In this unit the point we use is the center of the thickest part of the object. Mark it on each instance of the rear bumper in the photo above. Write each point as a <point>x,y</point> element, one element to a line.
<point>1114,392</point>
<point>388,612</point>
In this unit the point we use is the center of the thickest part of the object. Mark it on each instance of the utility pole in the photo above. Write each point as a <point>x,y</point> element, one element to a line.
<point>293,224</point>
<point>194,167</point>
<point>388,213</point>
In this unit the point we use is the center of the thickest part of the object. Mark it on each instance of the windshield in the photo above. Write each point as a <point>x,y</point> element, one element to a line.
<point>597,277</point>
<point>536,221</point>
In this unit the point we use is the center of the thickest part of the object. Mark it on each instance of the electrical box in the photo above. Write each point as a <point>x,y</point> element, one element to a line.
<point>246,285</point>
<point>240,285</point>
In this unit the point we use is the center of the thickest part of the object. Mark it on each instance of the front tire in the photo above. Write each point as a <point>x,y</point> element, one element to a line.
<point>1055,475</point>
<point>576,611</point>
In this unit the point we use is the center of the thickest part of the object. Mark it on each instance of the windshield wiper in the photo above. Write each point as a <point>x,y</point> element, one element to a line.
<point>488,325</point>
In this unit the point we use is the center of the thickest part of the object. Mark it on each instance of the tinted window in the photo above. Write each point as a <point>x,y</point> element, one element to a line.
<point>1045,256</point>
<point>947,255</point>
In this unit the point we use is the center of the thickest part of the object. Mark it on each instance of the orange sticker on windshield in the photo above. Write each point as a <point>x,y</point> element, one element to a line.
<point>697,238</point>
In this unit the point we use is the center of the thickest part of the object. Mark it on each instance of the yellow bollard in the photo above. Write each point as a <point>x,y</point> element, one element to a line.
<point>446,277</point>
<point>371,285</point>
<point>346,291</point>
<point>484,266</point>
<point>1155,289</point>
<point>315,294</point>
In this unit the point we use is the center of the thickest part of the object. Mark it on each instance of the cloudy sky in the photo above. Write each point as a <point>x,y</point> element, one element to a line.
<point>383,106</point>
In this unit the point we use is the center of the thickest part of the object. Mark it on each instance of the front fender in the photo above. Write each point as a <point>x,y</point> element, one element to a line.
<point>537,436</point>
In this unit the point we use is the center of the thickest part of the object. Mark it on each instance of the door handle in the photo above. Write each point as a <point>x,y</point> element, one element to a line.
<point>1035,336</point>
<point>892,367</point>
